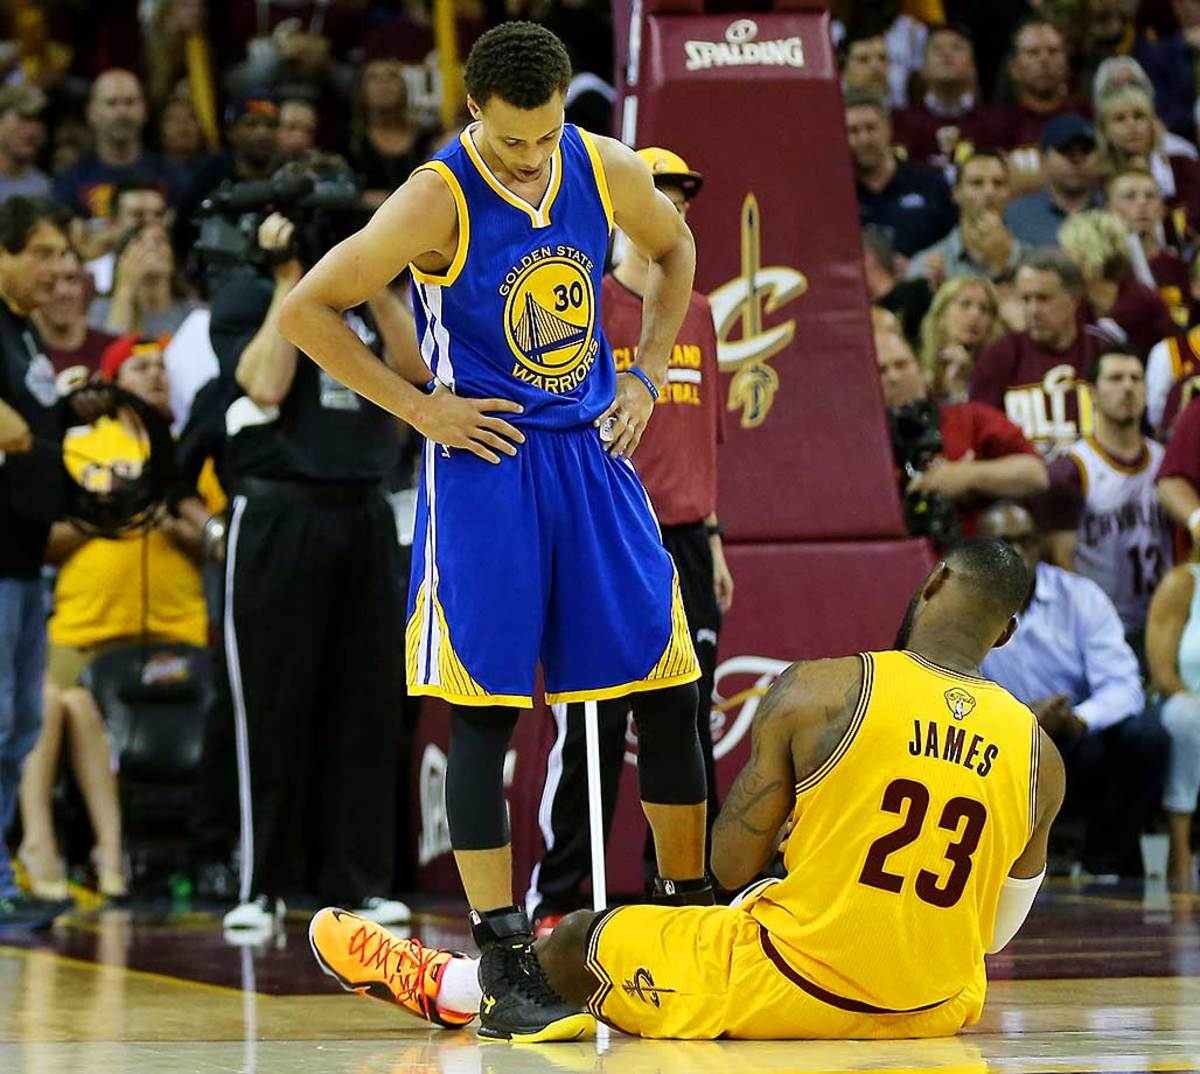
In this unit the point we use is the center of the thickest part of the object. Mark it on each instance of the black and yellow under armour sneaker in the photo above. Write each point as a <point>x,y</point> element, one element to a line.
<point>518,1003</point>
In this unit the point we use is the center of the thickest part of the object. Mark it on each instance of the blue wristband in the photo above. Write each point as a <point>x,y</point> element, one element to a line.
<point>645,380</point>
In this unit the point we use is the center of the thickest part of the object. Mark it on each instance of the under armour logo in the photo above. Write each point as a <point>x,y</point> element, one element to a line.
<point>488,1003</point>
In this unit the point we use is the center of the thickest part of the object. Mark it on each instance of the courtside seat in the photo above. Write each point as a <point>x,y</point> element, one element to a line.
<point>153,699</point>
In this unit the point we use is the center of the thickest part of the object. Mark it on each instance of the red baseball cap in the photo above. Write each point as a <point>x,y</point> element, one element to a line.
<point>119,351</point>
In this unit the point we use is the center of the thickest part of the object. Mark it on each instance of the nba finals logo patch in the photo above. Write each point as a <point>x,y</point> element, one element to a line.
<point>550,318</point>
<point>960,703</point>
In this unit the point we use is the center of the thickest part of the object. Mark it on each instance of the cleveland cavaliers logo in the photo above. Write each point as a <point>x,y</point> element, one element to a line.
<point>747,299</point>
<point>960,703</point>
<point>642,985</point>
<point>550,318</point>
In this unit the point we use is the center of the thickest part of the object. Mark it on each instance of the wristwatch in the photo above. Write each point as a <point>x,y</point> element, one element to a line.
<point>714,529</point>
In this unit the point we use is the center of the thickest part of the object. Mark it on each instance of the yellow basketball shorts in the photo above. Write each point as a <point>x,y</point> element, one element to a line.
<point>702,972</point>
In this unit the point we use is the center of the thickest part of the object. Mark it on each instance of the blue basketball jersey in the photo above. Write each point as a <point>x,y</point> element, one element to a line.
<point>516,315</point>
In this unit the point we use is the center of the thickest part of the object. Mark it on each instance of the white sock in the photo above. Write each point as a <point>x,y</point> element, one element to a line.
<point>459,990</point>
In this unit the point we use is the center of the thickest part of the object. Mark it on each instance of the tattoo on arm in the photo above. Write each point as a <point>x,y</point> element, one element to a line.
<point>837,722</point>
<point>750,790</point>
<point>744,797</point>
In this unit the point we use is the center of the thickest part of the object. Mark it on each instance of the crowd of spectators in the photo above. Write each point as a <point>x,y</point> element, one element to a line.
<point>1030,234</point>
<point>1028,180</point>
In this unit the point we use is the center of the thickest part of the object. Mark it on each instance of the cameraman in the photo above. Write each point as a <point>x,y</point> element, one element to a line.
<point>312,591</point>
<point>965,454</point>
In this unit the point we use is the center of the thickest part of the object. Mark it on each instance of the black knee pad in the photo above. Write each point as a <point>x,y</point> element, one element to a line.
<point>670,763</point>
<point>475,806</point>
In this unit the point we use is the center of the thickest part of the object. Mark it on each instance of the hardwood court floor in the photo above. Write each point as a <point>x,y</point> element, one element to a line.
<point>1099,980</point>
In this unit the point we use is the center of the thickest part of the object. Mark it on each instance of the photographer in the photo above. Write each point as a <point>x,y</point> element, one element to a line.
<point>312,590</point>
<point>953,459</point>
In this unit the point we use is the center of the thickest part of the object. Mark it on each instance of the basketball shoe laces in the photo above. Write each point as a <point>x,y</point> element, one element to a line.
<point>413,960</point>
<point>535,984</point>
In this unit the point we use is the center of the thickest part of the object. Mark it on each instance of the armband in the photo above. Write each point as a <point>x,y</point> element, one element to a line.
<point>645,380</point>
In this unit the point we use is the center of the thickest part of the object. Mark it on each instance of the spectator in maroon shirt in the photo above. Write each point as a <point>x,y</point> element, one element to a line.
<point>1041,79</point>
<point>1173,368</point>
<point>949,121</point>
<point>1099,242</point>
<point>1179,478</point>
<point>984,457</point>
<point>1127,129</point>
<point>1034,376</point>
<point>1134,196</point>
<point>74,348</point>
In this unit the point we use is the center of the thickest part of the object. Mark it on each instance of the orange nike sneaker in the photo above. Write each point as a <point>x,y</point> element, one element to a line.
<point>365,958</point>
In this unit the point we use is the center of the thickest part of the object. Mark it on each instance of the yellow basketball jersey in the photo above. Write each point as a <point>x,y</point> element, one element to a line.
<point>903,838</point>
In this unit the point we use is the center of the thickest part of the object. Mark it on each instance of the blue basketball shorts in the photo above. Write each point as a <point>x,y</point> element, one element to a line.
<point>554,555</point>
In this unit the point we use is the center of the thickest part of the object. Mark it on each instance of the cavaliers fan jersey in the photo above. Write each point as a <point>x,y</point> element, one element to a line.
<point>1171,277</point>
<point>1043,392</point>
<point>1171,379</point>
<point>1124,538</point>
<point>904,837</point>
<point>1018,130</point>
<point>516,315</point>
<point>677,456</point>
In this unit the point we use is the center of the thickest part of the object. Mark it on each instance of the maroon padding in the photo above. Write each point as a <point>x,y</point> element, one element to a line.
<point>807,454</point>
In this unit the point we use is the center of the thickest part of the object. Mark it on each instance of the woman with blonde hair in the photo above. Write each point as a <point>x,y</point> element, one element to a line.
<point>962,320</point>
<point>1102,245</point>
<point>1128,130</point>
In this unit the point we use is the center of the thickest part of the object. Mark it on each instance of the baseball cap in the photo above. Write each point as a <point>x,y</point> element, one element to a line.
<point>120,350</point>
<point>1066,130</point>
<point>25,100</point>
<point>668,167</point>
<point>256,102</point>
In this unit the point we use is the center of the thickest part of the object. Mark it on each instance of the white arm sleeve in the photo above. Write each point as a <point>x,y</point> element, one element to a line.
<point>1158,382</point>
<point>1016,900</point>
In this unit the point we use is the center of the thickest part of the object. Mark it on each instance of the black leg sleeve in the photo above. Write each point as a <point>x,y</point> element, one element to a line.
<point>670,764</point>
<point>475,805</point>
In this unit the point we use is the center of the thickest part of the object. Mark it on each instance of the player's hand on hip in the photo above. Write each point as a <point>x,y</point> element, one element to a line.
<point>468,423</point>
<point>622,424</point>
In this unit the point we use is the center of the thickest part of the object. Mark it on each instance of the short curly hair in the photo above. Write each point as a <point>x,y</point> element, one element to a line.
<point>521,63</point>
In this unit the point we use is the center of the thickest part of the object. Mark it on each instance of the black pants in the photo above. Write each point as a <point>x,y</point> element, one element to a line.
<point>312,603</point>
<point>557,879</point>
<point>1115,785</point>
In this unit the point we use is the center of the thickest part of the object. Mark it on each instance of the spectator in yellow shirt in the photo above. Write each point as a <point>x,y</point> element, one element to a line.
<point>109,593</point>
